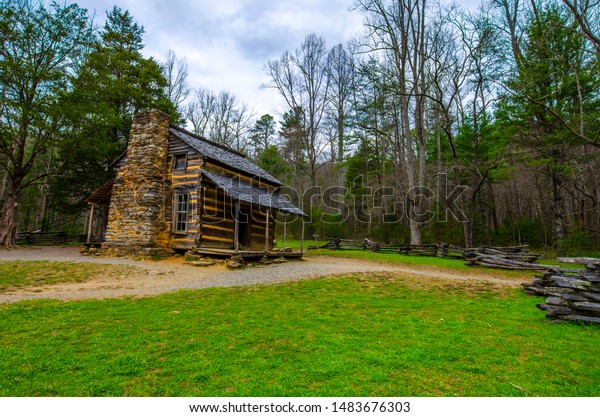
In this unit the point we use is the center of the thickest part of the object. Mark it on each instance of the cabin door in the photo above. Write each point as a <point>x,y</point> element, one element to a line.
<point>243,229</point>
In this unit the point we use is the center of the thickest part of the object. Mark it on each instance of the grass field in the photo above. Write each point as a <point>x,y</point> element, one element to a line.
<point>19,274</point>
<point>357,335</point>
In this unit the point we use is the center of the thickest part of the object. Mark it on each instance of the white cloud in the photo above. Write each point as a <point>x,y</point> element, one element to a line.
<point>227,43</point>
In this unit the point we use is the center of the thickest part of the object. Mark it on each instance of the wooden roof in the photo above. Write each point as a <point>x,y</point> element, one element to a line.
<point>102,195</point>
<point>239,190</point>
<point>235,160</point>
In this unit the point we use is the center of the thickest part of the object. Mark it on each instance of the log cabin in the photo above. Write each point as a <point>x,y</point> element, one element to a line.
<point>178,191</point>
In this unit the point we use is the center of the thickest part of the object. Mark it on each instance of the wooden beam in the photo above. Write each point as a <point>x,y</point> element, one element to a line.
<point>90,223</point>
<point>267,230</point>
<point>215,227</point>
<point>223,240</point>
<point>302,238</point>
<point>284,228</point>
<point>236,228</point>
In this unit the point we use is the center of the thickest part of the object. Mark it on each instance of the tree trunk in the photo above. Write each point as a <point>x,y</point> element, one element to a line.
<point>8,224</point>
<point>340,133</point>
<point>485,222</point>
<point>410,168</point>
<point>3,184</point>
<point>415,233</point>
<point>558,211</point>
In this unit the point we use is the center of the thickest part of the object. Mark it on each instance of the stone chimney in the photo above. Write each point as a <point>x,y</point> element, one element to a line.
<point>136,215</point>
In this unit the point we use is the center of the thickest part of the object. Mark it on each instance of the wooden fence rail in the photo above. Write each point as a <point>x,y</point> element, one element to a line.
<point>572,295</point>
<point>506,257</point>
<point>47,238</point>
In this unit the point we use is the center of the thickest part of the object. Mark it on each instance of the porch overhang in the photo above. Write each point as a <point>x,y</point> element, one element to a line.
<point>102,196</point>
<point>262,197</point>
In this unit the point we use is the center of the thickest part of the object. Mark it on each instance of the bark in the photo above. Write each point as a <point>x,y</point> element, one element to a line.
<point>3,185</point>
<point>410,163</point>
<point>558,212</point>
<point>8,223</point>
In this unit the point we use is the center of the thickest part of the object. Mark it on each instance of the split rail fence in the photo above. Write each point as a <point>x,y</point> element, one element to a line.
<point>47,238</point>
<point>508,257</point>
<point>571,294</point>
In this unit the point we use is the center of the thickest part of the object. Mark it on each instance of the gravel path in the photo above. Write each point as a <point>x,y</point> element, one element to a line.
<point>148,278</point>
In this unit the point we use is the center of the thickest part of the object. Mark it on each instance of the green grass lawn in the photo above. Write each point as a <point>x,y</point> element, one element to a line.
<point>19,274</point>
<point>392,257</point>
<point>358,335</point>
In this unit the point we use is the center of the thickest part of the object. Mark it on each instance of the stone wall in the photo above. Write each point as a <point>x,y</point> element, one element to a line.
<point>137,220</point>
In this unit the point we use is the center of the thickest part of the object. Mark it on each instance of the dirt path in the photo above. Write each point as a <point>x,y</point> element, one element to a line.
<point>148,278</point>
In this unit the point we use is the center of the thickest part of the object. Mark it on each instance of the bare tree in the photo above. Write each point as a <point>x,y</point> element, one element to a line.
<point>511,22</point>
<point>221,126</point>
<point>199,111</point>
<point>447,69</point>
<point>231,121</point>
<point>175,72</point>
<point>220,118</point>
<point>301,79</point>
<point>340,70</point>
<point>373,123</point>
<point>397,29</point>
<point>587,15</point>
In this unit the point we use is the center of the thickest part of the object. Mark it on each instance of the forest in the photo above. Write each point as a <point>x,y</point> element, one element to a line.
<point>436,123</point>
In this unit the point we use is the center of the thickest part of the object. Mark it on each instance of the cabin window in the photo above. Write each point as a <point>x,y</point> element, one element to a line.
<point>180,162</point>
<point>181,212</point>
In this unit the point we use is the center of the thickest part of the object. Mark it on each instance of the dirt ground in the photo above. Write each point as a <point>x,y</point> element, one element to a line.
<point>139,278</point>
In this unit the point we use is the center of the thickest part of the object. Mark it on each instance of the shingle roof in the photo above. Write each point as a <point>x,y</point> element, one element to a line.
<point>239,190</point>
<point>223,155</point>
<point>103,194</point>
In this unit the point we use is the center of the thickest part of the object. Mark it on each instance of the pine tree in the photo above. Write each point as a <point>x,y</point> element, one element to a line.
<point>115,83</point>
<point>552,84</point>
<point>261,135</point>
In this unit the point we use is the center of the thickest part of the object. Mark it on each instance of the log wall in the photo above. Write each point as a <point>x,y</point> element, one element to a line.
<point>217,223</point>
<point>185,181</point>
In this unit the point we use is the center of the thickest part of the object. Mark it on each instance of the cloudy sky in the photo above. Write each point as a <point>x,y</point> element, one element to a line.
<point>227,42</point>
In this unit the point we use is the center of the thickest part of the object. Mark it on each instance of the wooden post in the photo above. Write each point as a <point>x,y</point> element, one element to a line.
<point>90,223</point>
<point>302,237</point>
<point>236,227</point>
<point>284,229</point>
<point>267,221</point>
<point>85,223</point>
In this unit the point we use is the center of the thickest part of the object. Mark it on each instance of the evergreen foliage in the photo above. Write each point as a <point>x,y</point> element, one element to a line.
<point>114,83</point>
